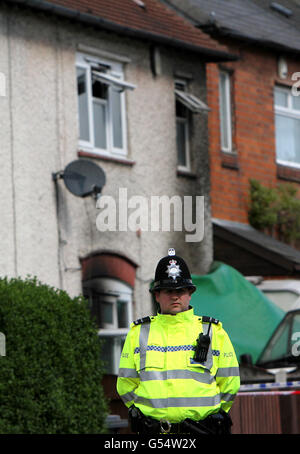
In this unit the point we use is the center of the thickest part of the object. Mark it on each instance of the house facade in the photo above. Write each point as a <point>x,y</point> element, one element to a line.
<point>121,85</point>
<point>254,121</point>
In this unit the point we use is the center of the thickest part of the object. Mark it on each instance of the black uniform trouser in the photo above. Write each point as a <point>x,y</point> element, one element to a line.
<point>216,424</point>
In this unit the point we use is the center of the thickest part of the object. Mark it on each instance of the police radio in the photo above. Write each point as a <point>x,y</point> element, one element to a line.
<point>202,347</point>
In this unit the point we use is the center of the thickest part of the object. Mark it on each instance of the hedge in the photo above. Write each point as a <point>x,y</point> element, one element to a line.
<point>50,378</point>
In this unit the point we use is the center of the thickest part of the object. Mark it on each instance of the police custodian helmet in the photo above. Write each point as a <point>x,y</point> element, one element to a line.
<point>172,273</point>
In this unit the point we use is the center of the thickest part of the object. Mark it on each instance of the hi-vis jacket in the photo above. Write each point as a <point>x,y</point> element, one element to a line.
<point>159,376</point>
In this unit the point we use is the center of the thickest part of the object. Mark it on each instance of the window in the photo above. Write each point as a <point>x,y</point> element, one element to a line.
<point>101,105</point>
<point>284,343</point>
<point>225,111</point>
<point>110,303</point>
<point>285,299</point>
<point>287,126</point>
<point>182,130</point>
<point>186,103</point>
<point>295,336</point>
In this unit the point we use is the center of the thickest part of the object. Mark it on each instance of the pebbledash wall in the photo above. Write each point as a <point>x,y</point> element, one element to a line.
<point>253,78</point>
<point>39,136</point>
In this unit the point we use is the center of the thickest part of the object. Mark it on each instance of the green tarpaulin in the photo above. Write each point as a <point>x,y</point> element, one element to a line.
<point>247,315</point>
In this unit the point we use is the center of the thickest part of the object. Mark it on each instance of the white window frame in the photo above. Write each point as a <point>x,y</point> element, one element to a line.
<point>225,123</point>
<point>113,292</point>
<point>287,112</point>
<point>116,336</point>
<point>184,121</point>
<point>190,101</point>
<point>115,79</point>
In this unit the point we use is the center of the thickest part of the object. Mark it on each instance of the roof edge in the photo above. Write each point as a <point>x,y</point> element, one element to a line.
<point>254,247</point>
<point>216,31</point>
<point>210,55</point>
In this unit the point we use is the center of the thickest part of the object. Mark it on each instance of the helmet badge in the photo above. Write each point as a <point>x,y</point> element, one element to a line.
<point>171,251</point>
<point>173,270</point>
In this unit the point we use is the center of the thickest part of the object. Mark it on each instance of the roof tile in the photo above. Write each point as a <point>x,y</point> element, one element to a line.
<point>248,19</point>
<point>155,18</point>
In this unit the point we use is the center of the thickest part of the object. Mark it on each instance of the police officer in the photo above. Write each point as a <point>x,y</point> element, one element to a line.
<point>178,371</point>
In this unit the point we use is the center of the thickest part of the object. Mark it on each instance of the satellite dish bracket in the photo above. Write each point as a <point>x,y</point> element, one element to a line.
<point>57,175</point>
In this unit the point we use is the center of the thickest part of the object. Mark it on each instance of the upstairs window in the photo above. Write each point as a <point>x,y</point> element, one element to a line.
<point>101,105</point>
<point>186,104</point>
<point>287,126</point>
<point>225,111</point>
<point>182,129</point>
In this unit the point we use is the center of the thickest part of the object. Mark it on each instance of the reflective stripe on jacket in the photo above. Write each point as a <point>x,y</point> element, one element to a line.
<point>159,375</point>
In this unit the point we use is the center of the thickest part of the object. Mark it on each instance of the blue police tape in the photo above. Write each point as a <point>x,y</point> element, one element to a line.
<point>264,386</point>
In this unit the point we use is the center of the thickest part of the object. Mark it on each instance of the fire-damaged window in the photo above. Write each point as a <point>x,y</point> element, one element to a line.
<point>110,302</point>
<point>101,105</point>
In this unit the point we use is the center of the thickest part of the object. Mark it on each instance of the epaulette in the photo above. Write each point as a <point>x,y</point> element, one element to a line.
<point>142,320</point>
<point>207,319</point>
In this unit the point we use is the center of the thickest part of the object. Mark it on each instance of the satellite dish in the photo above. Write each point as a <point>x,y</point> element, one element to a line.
<point>83,178</point>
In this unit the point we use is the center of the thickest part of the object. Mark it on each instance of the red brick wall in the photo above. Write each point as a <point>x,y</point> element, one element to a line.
<point>253,79</point>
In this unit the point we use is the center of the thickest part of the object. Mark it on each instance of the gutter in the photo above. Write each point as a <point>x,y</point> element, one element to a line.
<point>210,55</point>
